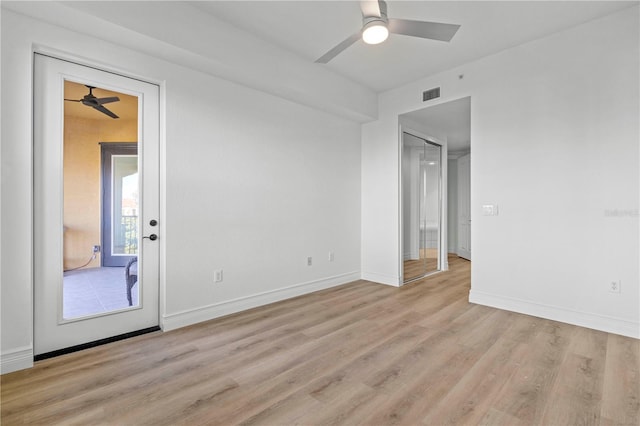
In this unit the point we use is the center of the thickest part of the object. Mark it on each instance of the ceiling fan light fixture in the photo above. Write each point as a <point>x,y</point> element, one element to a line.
<point>376,27</point>
<point>375,32</point>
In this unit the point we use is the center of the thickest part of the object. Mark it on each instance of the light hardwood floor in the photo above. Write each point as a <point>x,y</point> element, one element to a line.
<point>361,353</point>
<point>427,263</point>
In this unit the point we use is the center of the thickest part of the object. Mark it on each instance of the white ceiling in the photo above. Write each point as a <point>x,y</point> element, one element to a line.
<point>310,28</point>
<point>451,120</point>
<point>271,46</point>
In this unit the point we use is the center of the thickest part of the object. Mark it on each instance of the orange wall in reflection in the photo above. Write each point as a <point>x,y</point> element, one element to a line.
<point>82,184</point>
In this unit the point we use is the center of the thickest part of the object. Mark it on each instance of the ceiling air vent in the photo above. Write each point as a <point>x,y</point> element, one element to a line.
<point>430,94</point>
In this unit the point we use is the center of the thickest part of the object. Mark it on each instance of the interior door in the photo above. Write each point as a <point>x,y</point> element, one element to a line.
<point>464,206</point>
<point>55,327</point>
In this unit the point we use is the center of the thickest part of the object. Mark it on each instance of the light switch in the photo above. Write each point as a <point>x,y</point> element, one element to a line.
<point>489,210</point>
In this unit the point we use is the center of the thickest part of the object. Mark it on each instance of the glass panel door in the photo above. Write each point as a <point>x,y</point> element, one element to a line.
<point>421,206</point>
<point>413,211</point>
<point>100,198</point>
<point>430,229</point>
<point>77,299</point>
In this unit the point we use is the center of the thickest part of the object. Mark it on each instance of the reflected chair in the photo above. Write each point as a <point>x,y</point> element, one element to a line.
<point>131,277</point>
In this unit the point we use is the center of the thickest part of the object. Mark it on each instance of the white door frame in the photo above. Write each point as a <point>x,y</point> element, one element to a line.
<point>464,236</point>
<point>160,229</point>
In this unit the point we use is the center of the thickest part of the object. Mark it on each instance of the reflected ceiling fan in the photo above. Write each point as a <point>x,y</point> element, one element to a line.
<point>96,103</point>
<point>376,27</point>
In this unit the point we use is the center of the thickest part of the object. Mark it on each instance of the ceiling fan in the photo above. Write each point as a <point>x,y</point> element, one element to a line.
<point>376,27</point>
<point>96,103</point>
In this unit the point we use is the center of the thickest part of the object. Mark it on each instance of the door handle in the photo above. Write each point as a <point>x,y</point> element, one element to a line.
<point>152,237</point>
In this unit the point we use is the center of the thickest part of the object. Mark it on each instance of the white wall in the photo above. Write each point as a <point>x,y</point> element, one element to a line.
<point>555,131</point>
<point>210,45</point>
<point>254,184</point>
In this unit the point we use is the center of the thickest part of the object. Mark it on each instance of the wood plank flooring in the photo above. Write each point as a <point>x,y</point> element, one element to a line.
<point>428,262</point>
<point>361,353</point>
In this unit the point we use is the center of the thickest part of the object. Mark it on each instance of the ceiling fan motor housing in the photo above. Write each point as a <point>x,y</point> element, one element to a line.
<point>367,20</point>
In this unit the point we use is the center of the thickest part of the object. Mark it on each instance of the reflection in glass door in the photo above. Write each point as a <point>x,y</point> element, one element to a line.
<point>430,227</point>
<point>421,206</point>
<point>101,195</point>
<point>119,203</point>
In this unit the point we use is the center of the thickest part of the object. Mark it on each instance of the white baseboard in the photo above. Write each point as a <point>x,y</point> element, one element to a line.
<point>16,359</point>
<point>556,313</point>
<point>381,278</point>
<point>216,310</point>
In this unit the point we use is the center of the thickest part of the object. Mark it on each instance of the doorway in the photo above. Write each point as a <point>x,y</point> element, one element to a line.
<point>78,111</point>
<point>451,122</point>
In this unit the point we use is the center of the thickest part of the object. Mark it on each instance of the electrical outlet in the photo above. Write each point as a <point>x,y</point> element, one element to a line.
<point>217,276</point>
<point>309,261</point>
<point>615,287</point>
<point>96,249</point>
<point>331,256</point>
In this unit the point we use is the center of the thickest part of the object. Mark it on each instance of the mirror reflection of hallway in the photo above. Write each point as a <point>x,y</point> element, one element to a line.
<point>421,206</point>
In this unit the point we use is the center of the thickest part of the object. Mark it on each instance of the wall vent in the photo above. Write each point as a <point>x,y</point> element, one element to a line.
<point>430,94</point>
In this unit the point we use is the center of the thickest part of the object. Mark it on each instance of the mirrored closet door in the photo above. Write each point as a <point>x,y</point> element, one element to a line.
<point>421,206</point>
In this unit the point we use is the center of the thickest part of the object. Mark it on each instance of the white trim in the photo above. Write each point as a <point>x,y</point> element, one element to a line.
<point>216,310</point>
<point>462,183</point>
<point>16,359</point>
<point>381,278</point>
<point>67,56</point>
<point>162,212</point>
<point>557,313</point>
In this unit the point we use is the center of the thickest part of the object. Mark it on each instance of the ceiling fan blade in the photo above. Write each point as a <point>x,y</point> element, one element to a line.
<point>107,100</point>
<point>74,100</point>
<point>105,111</point>
<point>339,48</point>
<point>371,8</point>
<point>422,29</point>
